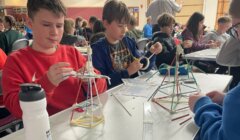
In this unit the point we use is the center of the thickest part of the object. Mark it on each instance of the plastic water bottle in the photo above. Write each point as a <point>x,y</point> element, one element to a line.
<point>35,116</point>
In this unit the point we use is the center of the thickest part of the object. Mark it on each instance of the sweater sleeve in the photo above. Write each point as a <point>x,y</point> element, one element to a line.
<point>208,116</point>
<point>10,84</point>
<point>216,122</point>
<point>176,7</point>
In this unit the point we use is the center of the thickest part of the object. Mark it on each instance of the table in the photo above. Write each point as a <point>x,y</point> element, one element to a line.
<point>119,125</point>
<point>206,55</point>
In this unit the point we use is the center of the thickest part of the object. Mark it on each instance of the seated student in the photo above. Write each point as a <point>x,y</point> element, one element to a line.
<point>68,36</point>
<point>88,31</point>
<point>193,32</point>
<point>10,35</point>
<point>116,55</point>
<point>46,62</point>
<point>192,37</point>
<point>132,31</point>
<point>78,26</point>
<point>164,36</point>
<point>147,29</point>
<point>98,31</point>
<point>217,114</point>
<point>219,35</point>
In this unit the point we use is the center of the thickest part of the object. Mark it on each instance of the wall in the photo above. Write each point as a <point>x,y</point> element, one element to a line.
<point>210,13</point>
<point>88,7</point>
<point>189,7</point>
<point>85,8</point>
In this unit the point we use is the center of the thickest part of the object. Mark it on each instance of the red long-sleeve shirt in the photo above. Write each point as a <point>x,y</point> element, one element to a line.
<point>23,64</point>
<point>3,58</point>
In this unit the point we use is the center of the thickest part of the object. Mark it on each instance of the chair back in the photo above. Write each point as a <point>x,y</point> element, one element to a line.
<point>142,45</point>
<point>19,44</point>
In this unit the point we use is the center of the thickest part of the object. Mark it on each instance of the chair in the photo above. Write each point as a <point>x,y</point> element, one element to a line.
<point>142,45</point>
<point>19,44</point>
<point>9,123</point>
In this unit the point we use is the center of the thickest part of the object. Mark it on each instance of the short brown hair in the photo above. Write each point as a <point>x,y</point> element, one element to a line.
<point>10,20</point>
<point>224,19</point>
<point>68,25</point>
<point>114,10</point>
<point>55,6</point>
<point>165,19</point>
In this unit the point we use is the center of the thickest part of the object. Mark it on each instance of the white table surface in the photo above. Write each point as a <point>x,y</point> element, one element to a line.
<point>206,55</point>
<point>119,125</point>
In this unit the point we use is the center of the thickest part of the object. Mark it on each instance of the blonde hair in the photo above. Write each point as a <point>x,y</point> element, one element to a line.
<point>68,25</point>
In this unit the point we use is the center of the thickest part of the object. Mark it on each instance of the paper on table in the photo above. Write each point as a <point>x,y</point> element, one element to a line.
<point>136,87</point>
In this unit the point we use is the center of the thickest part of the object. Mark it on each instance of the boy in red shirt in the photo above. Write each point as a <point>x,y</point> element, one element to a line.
<point>46,62</point>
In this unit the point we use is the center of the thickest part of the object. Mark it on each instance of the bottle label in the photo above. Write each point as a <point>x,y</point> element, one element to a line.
<point>48,134</point>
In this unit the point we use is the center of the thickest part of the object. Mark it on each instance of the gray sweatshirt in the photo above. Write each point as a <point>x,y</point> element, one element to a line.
<point>158,7</point>
<point>229,55</point>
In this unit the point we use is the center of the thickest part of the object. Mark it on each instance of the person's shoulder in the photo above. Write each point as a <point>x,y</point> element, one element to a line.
<point>20,53</point>
<point>128,39</point>
<point>101,42</point>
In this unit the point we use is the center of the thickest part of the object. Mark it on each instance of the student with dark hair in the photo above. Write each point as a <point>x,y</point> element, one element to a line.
<point>10,35</point>
<point>46,62</point>
<point>217,114</point>
<point>193,32</point>
<point>68,35</point>
<point>91,21</point>
<point>88,31</point>
<point>116,55</point>
<point>164,36</point>
<point>98,31</point>
<point>78,26</point>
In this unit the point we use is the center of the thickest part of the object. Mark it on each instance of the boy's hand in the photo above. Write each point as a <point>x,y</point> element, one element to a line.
<point>216,96</point>
<point>59,72</point>
<point>156,48</point>
<point>134,67</point>
<point>193,99</point>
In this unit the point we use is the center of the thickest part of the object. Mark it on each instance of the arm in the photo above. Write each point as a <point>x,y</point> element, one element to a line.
<point>168,53</point>
<point>175,6</point>
<point>13,76</point>
<point>208,118</point>
<point>196,45</point>
<point>216,122</point>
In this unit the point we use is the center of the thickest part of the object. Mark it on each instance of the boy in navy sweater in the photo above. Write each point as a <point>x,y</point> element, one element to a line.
<point>116,55</point>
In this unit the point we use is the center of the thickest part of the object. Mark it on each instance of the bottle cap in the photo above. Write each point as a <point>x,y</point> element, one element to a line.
<point>31,92</point>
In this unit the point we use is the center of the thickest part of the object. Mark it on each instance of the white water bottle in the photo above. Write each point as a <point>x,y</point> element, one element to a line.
<point>35,116</point>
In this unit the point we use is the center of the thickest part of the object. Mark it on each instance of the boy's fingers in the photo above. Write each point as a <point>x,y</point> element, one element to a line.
<point>61,64</point>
